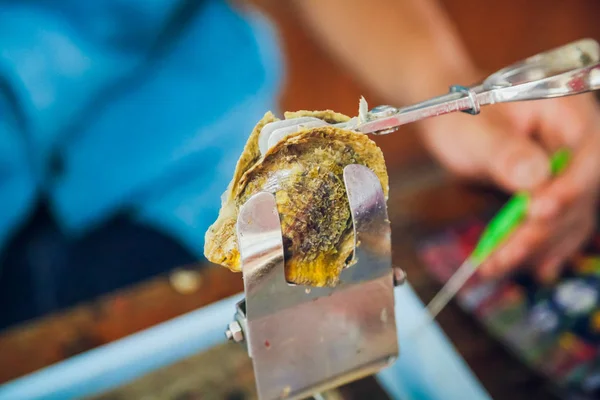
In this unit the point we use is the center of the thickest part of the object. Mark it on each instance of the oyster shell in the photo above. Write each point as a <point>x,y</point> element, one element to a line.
<point>305,172</point>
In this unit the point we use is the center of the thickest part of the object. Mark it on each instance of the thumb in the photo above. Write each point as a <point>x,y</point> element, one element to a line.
<point>478,149</point>
<point>514,162</point>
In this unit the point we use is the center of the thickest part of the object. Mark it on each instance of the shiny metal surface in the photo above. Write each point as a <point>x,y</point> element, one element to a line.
<point>234,332</point>
<point>383,111</point>
<point>449,290</point>
<point>568,70</point>
<point>305,340</point>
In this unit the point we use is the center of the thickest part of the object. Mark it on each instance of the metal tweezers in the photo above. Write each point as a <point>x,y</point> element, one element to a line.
<point>568,70</point>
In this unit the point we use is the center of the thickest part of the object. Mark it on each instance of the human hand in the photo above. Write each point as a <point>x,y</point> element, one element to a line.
<point>510,145</point>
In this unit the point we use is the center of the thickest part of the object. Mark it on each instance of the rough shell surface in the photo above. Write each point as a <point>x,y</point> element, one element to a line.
<point>305,172</point>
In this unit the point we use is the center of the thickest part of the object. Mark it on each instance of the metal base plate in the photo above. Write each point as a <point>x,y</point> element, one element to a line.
<point>305,340</point>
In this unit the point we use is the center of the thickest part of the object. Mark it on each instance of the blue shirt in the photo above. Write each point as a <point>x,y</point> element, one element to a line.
<point>108,106</point>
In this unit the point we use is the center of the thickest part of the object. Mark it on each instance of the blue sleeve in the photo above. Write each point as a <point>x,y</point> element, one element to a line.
<point>56,59</point>
<point>106,124</point>
<point>17,181</point>
<point>59,58</point>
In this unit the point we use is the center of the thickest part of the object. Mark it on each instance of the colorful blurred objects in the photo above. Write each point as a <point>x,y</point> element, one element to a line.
<point>554,329</point>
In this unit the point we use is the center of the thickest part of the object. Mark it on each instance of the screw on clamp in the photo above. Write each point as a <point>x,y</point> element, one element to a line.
<point>234,332</point>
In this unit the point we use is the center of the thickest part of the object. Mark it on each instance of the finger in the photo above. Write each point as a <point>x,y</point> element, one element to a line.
<point>515,164</point>
<point>550,268</point>
<point>566,121</point>
<point>580,179</point>
<point>485,147</point>
<point>516,250</point>
<point>534,237</point>
<point>552,263</point>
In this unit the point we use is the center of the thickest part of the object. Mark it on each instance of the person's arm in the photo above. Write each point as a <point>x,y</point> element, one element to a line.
<point>406,50</point>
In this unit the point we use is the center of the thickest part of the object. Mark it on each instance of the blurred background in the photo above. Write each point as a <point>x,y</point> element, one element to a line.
<point>103,217</point>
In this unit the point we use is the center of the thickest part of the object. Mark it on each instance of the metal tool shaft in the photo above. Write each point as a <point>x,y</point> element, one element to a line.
<point>447,293</point>
<point>454,284</point>
<point>441,105</point>
<point>565,71</point>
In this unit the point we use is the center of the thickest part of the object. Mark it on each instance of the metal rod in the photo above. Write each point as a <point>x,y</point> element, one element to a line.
<point>449,290</point>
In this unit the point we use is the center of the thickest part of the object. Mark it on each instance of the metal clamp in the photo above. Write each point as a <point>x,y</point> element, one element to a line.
<point>305,340</point>
<point>471,95</point>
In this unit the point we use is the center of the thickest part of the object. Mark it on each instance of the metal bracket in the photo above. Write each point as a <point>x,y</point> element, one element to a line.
<point>305,340</point>
<point>471,95</point>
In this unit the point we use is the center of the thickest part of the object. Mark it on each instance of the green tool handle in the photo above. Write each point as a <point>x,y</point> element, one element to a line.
<point>512,214</point>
